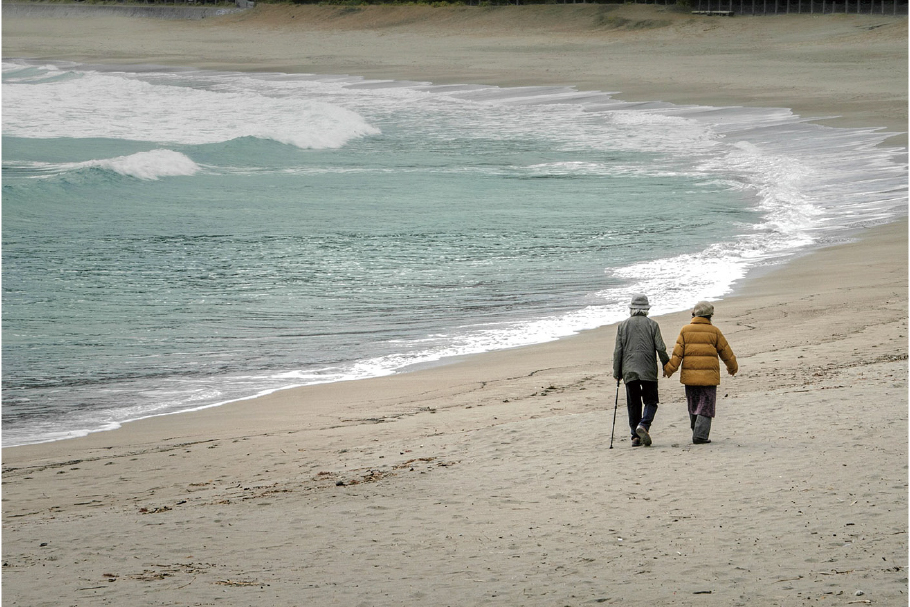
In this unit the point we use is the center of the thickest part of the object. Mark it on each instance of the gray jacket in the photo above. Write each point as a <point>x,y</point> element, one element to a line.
<point>637,340</point>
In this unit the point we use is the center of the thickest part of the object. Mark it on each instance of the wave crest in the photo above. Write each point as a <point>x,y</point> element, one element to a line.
<point>117,106</point>
<point>149,165</point>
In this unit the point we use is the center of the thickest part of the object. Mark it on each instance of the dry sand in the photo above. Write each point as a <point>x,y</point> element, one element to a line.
<point>489,481</point>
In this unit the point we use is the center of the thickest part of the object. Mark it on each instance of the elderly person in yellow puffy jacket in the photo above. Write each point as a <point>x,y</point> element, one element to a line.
<point>697,348</point>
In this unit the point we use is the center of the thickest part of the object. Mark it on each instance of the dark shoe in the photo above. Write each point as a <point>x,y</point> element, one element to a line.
<point>701,441</point>
<point>636,442</point>
<point>642,433</point>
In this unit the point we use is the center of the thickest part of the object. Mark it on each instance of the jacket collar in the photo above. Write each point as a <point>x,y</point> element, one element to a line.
<point>700,320</point>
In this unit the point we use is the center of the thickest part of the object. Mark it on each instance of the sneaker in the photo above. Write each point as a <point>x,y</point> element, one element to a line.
<point>636,442</point>
<point>643,435</point>
<point>701,441</point>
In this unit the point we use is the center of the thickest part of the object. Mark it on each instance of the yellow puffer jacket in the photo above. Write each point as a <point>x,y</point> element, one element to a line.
<point>697,348</point>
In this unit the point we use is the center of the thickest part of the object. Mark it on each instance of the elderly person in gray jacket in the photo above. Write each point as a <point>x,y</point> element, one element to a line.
<point>638,344</point>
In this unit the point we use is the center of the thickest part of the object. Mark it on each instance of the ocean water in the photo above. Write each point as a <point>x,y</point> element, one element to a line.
<point>177,239</point>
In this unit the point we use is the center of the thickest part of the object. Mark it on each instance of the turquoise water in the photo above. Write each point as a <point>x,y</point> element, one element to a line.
<point>262,231</point>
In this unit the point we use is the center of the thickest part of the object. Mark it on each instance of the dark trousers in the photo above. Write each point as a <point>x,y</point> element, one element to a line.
<point>702,401</point>
<point>701,427</point>
<point>641,401</point>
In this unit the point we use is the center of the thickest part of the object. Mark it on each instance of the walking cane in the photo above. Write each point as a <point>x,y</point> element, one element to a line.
<point>615,405</point>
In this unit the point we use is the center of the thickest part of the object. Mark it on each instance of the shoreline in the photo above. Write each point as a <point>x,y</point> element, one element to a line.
<point>752,272</point>
<point>738,288</point>
<point>488,480</point>
<point>758,280</point>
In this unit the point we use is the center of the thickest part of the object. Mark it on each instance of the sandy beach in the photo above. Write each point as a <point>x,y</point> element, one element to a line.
<point>489,481</point>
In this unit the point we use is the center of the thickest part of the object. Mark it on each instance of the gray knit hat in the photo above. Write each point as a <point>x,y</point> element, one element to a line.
<point>703,308</point>
<point>640,302</point>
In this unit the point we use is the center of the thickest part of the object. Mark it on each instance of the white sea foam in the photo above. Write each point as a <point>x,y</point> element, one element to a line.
<point>809,183</point>
<point>149,165</point>
<point>118,106</point>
